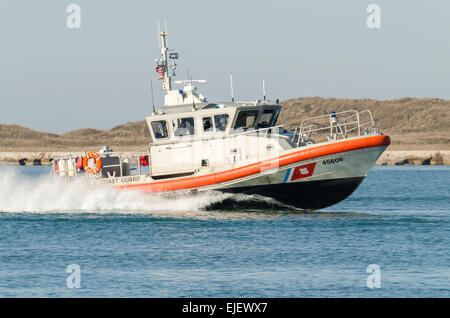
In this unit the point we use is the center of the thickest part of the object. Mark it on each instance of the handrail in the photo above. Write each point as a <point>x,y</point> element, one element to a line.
<point>306,130</point>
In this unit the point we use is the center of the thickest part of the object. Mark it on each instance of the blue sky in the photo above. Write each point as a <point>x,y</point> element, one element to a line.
<point>58,79</point>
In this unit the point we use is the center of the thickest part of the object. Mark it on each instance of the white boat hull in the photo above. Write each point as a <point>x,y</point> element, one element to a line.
<point>311,178</point>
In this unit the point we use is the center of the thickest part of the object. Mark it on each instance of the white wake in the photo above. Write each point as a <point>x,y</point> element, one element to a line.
<point>44,194</point>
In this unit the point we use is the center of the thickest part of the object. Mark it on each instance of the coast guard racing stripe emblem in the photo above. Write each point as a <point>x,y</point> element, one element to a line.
<point>303,171</point>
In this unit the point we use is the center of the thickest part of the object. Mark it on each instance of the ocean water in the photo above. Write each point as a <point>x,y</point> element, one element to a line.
<point>128,244</point>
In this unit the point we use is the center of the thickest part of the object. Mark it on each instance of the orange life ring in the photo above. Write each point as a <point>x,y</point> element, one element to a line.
<point>98,162</point>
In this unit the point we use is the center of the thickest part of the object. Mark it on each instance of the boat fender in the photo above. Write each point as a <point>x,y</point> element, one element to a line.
<point>79,163</point>
<point>98,163</point>
<point>70,167</point>
<point>62,167</point>
<point>144,161</point>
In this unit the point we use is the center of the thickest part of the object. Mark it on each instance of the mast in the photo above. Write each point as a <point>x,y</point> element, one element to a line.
<point>167,84</point>
<point>165,67</point>
<point>153,100</point>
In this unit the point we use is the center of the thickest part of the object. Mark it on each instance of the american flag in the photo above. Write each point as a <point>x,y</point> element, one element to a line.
<point>160,70</point>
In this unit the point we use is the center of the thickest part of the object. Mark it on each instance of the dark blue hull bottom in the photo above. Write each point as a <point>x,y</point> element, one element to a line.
<point>308,195</point>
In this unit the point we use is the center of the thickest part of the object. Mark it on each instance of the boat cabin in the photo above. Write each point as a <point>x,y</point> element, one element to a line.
<point>175,124</point>
<point>208,136</point>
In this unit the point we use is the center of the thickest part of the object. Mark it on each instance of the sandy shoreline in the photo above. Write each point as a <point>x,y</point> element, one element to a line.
<point>389,157</point>
<point>414,157</point>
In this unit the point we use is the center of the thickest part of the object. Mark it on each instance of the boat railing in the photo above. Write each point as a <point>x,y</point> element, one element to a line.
<point>335,126</point>
<point>126,164</point>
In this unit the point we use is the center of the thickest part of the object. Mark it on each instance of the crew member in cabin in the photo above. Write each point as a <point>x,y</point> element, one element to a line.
<point>181,129</point>
<point>207,124</point>
<point>184,127</point>
<point>221,122</point>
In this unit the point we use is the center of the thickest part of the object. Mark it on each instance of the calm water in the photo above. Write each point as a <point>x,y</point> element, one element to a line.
<point>133,245</point>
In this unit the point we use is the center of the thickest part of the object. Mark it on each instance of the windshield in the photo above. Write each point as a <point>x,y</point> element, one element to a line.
<point>267,118</point>
<point>246,119</point>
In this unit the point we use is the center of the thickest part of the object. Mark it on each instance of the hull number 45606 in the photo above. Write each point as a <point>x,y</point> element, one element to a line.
<point>332,161</point>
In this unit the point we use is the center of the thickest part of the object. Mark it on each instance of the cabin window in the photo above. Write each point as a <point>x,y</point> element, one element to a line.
<point>184,127</point>
<point>160,129</point>
<point>246,119</point>
<point>266,119</point>
<point>221,122</point>
<point>208,124</point>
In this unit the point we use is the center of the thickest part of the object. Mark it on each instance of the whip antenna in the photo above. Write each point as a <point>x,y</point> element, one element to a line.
<point>153,100</point>
<point>192,92</point>
<point>231,85</point>
<point>264,90</point>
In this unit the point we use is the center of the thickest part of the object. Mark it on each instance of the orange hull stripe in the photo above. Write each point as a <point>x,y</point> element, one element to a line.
<point>236,173</point>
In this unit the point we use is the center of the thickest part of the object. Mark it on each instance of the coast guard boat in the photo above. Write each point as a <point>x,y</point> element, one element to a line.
<point>237,147</point>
